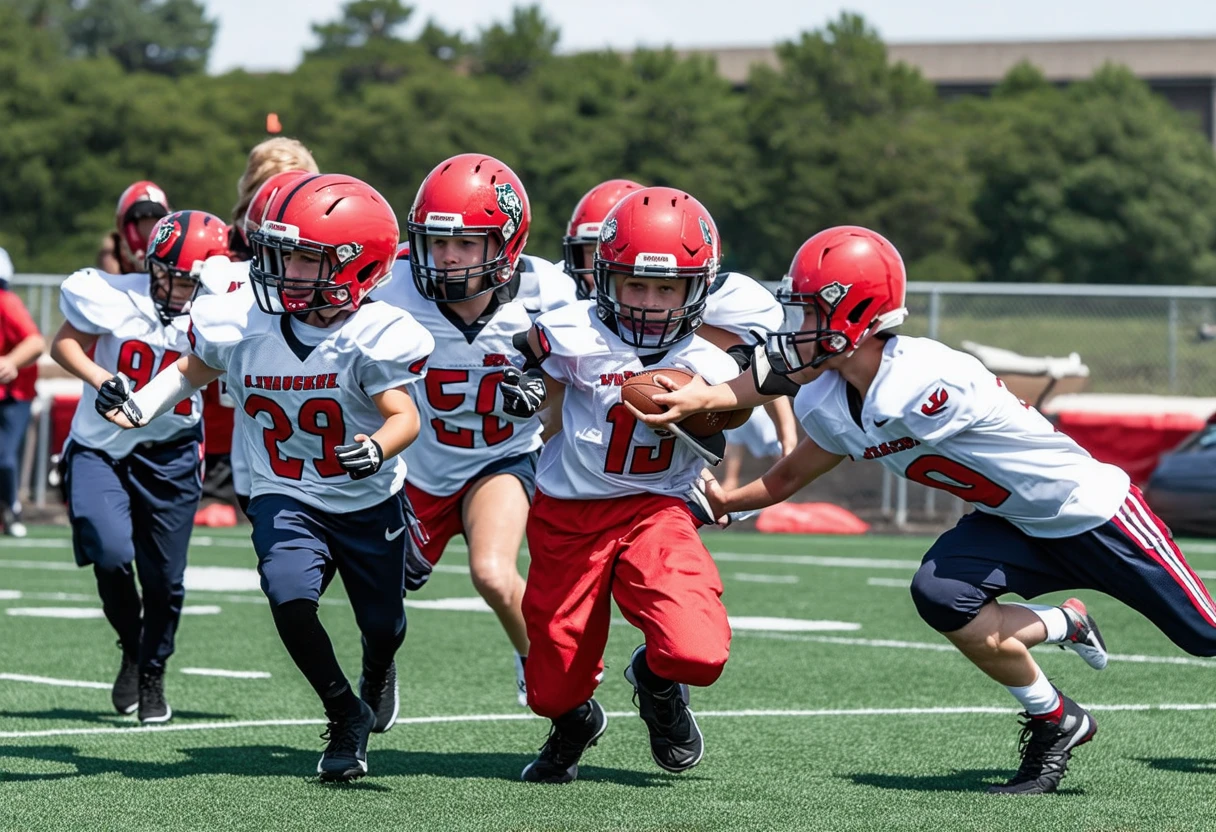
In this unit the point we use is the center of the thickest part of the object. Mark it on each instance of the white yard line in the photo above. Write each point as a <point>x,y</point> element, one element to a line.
<point>227,674</point>
<point>816,560</point>
<point>898,583</point>
<point>59,683</point>
<point>1188,661</point>
<point>748,577</point>
<point>524,717</point>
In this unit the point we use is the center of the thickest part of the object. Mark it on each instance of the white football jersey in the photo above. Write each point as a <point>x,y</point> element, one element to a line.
<point>936,416</point>
<point>602,450</point>
<point>739,305</point>
<point>543,286</point>
<point>130,340</point>
<point>305,401</point>
<point>459,401</point>
<point>221,276</point>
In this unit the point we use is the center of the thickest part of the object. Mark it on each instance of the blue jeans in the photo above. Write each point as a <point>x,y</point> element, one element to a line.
<point>14,419</point>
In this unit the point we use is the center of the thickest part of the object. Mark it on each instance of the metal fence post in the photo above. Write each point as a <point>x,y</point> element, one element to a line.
<point>935,316</point>
<point>1172,344</point>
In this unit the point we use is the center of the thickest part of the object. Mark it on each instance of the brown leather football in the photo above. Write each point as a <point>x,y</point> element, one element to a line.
<point>640,389</point>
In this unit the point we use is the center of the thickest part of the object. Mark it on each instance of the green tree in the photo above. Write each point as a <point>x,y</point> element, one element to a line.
<point>514,51</point>
<point>363,22</point>
<point>845,137</point>
<point>1102,182</point>
<point>169,37</point>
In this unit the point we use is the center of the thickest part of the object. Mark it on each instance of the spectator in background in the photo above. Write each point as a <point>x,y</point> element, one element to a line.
<point>140,206</point>
<point>265,160</point>
<point>227,478</point>
<point>20,346</point>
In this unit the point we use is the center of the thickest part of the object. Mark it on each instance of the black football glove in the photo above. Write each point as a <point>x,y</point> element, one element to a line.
<point>361,459</point>
<point>523,394</point>
<point>115,393</point>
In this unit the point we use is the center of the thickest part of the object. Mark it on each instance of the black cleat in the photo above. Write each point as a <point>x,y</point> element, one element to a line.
<point>1083,634</point>
<point>1046,747</point>
<point>345,755</point>
<point>675,740</point>
<point>125,693</point>
<point>379,691</point>
<point>570,735</point>
<point>153,709</point>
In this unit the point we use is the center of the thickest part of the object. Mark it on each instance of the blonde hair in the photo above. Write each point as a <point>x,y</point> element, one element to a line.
<point>265,160</point>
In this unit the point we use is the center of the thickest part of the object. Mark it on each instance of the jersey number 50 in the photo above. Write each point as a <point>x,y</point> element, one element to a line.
<point>494,430</point>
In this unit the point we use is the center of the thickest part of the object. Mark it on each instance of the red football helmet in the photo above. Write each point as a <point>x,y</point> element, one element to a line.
<point>584,230</point>
<point>261,200</point>
<point>341,220</point>
<point>656,233</point>
<point>141,200</point>
<point>180,244</point>
<point>468,196</point>
<point>853,280</point>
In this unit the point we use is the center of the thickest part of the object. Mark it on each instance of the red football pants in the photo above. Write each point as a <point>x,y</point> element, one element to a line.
<point>643,551</point>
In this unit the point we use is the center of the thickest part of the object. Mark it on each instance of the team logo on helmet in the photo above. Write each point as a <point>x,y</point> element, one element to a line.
<point>163,234</point>
<point>511,205</point>
<point>705,235</point>
<point>347,252</point>
<point>608,232</point>
<point>834,293</point>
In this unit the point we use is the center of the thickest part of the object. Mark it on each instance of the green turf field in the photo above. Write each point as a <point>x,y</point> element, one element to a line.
<point>832,730</point>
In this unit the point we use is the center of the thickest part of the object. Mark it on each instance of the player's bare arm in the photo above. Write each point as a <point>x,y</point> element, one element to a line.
<point>807,463</point>
<point>70,349</point>
<point>401,422</point>
<point>781,411</point>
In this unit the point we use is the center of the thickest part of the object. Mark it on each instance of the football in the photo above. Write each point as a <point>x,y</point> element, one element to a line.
<point>640,390</point>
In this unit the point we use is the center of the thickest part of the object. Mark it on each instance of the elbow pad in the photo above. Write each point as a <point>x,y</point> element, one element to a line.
<point>769,382</point>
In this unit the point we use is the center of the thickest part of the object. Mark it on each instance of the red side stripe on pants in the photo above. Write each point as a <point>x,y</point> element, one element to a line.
<point>1136,520</point>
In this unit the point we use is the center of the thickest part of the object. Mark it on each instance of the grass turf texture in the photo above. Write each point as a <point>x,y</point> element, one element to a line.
<point>1147,769</point>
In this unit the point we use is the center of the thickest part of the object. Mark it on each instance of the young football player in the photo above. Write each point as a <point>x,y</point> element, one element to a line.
<point>609,520</point>
<point>139,207</point>
<point>324,374</point>
<point>473,468</point>
<point>737,310</point>
<point>1048,517</point>
<point>132,498</point>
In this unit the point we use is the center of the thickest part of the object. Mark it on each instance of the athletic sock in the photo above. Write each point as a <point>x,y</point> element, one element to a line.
<point>1040,698</point>
<point>1053,619</point>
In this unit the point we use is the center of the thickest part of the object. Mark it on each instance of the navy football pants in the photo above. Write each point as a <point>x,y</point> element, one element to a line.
<point>136,510</point>
<point>1132,558</point>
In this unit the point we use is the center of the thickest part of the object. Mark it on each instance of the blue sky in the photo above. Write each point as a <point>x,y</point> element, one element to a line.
<point>243,38</point>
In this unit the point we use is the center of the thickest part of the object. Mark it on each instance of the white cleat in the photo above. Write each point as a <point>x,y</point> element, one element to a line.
<point>1083,635</point>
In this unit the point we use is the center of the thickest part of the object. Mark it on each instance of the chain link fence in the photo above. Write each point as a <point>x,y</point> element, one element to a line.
<point>1134,339</point>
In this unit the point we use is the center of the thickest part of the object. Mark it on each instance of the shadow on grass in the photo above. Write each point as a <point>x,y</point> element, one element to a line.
<point>1187,765</point>
<point>104,717</point>
<point>281,761</point>
<point>959,780</point>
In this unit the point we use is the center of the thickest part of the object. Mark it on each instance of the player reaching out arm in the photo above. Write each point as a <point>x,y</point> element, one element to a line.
<point>1048,516</point>
<point>323,374</point>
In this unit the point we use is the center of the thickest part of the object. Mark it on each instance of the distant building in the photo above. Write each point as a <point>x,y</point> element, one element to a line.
<point>1183,70</point>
